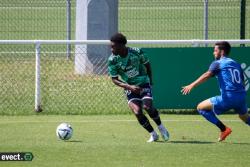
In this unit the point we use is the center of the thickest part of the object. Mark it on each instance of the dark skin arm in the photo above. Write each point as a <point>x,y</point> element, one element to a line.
<point>121,84</point>
<point>204,77</point>
<point>149,72</point>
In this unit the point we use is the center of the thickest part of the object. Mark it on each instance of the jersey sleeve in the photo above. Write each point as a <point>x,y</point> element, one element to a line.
<point>112,70</point>
<point>143,57</point>
<point>214,67</point>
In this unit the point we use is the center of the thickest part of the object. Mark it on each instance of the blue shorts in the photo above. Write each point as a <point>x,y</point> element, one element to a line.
<point>146,93</point>
<point>225,102</point>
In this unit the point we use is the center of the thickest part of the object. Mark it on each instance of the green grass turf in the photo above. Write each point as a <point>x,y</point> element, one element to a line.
<point>120,141</point>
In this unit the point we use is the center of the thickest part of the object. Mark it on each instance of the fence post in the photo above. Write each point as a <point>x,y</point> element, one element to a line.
<point>205,20</point>
<point>68,27</point>
<point>38,107</point>
<point>242,20</point>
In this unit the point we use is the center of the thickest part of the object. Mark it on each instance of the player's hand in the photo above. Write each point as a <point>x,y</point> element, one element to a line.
<point>135,89</point>
<point>186,89</point>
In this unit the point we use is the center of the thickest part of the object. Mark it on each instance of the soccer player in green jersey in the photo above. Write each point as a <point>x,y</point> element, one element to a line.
<point>130,69</point>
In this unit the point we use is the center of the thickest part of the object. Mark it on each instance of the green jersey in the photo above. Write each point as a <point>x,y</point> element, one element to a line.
<point>131,69</point>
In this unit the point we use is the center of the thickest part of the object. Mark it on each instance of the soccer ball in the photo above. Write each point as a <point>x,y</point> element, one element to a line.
<point>64,131</point>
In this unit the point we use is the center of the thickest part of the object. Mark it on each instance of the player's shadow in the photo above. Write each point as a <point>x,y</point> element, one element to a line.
<point>74,141</point>
<point>191,142</point>
<point>205,142</point>
<point>237,143</point>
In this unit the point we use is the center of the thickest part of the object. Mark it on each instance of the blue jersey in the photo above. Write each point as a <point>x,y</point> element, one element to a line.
<point>229,75</point>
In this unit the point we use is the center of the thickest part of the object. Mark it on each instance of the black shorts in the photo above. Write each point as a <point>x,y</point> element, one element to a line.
<point>146,93</point>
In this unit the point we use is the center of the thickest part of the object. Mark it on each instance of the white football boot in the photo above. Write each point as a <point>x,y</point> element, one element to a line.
<point>153,137</point>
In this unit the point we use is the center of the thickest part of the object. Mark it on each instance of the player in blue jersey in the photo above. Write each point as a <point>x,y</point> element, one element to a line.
<point>129,69</point>
<point>231,82</point>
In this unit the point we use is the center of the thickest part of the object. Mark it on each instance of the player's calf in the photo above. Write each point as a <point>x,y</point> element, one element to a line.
<point>245,118</point>
<point>155,116</point>
<point>144,122</point>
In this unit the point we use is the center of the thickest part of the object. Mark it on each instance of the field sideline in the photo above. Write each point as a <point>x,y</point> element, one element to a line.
<point>117,140</point>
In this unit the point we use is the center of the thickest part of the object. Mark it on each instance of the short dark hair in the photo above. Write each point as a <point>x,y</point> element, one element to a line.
<point>224,45</point>
<point>119,38</point>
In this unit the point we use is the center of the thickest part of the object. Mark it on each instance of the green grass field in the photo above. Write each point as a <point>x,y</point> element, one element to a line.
<point>120,141</point>
<point>100,139</point>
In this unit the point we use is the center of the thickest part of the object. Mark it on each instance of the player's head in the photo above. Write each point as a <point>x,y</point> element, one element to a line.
<point>221,49</point>
<point>118,43</point>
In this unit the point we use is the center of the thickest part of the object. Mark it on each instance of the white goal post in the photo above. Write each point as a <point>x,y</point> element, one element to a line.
<point>38,44</point>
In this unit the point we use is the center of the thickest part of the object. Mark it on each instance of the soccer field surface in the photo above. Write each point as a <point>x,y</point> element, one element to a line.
<point>118,140</point>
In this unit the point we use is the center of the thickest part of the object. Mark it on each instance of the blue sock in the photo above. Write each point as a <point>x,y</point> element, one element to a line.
<point>211,117</point>
<point>248,121</point>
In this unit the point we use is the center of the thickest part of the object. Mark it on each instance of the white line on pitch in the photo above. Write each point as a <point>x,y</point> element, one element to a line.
<point>103,121</point>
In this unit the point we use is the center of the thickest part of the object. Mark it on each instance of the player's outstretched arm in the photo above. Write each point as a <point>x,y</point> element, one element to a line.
<point>187,89</point>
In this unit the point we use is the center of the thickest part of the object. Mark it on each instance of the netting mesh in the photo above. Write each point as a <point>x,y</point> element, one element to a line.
<point>247,19</point>
<point>224,19</point>
<point>63,90</point>
<point>34,19</point>
<point>17,79</point>
<point>138,19</point>
<point>159,19</point>
<point>181,19</point>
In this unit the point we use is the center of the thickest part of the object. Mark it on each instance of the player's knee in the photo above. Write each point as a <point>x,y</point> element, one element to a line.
<point>205,105</point>
<point>137,112</point>
<point>136,109</point>
<point>147,107</point>
<point>199,107</point>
